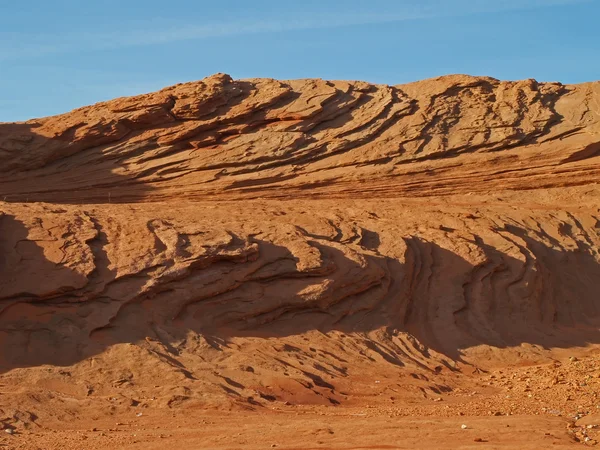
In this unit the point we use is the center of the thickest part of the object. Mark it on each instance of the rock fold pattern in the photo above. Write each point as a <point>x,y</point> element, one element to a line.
<point>221,233</point>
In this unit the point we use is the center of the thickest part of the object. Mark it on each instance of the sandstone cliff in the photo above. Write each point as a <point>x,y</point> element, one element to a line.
<point>291,240</point>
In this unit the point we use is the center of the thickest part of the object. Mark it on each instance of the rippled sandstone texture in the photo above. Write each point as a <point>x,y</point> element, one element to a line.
<point>259,243</point>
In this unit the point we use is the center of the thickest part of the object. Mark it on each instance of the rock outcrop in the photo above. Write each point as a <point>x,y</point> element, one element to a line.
<point>224,237</point>
<point>308,138</point>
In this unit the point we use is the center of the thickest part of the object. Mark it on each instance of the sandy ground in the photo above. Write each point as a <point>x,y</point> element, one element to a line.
<point>553,405</point>
<point>304,430</point>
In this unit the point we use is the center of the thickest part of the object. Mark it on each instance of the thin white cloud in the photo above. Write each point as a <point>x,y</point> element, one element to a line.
<point>17,46</point>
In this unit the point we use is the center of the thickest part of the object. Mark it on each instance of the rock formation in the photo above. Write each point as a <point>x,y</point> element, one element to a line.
<point>244,242</point>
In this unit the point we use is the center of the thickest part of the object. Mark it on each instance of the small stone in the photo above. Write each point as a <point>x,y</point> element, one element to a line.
<point>573,359</point>
<point>273,445</point>
<point>9,431</point>
<point>478,440</point>
<point>439,399</point>
<point>463,426</point>
<point>139,414</point>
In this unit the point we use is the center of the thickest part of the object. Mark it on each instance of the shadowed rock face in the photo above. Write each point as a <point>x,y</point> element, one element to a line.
<point>314,231</point>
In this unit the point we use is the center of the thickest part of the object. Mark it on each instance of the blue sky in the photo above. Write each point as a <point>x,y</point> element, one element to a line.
<point>58,55</point>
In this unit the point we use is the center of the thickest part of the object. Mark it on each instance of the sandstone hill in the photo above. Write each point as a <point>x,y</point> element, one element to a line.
<point>303,245</point>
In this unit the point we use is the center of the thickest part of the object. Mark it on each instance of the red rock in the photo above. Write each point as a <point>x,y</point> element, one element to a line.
<point>323,233</point>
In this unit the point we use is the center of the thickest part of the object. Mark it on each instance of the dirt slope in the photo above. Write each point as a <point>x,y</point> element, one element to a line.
<point>303,251</point>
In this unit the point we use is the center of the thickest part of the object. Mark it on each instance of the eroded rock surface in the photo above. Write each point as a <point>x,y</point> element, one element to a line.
<point>258,241</point>
<point>308,138</point>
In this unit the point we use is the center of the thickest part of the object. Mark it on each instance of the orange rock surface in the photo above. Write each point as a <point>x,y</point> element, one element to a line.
<point>323,256</point>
